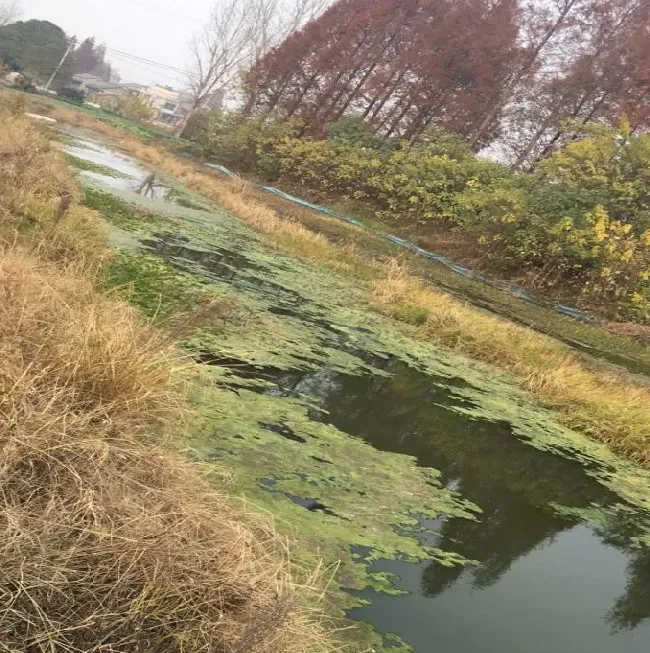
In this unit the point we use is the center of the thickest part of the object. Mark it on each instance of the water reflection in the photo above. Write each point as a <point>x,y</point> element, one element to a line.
<point>98,154</point>
<point>631,608</point>
<point>530,558</point>
<point>148,186</point>
<point>214,262</point>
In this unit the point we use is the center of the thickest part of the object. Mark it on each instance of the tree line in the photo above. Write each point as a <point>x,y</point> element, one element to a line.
<point>500,73</point>
<point>35,47</point>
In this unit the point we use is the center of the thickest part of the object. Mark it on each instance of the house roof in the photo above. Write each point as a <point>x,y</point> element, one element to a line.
<point>94,82</point>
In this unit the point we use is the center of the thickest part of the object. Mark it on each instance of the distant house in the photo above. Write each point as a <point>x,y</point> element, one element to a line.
<point>97,90</point>
<point>134,89</point>
<point>170,107</point>
<point>166,102</point>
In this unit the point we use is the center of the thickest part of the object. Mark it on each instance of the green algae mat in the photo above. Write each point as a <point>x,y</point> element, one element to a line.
<point>367,444</point>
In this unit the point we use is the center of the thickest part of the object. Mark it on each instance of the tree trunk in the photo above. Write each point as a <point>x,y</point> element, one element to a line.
<point>297,103</point>
<point>332,86</point>
<point>415,134</point>
<point>180,129</point>
<point>392,83</point>
<point>389,115</point>
<point>549,146</point>
<point>351,96</point>
<point>329,108</point>
<point>398,120</point>
<point>384,100</point>
<point>497,103</point>
<point>363,80</point>
<point>533,141</point>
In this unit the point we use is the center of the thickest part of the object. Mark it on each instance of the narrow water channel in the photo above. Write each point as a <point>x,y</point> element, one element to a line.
<point>544,580</point>
<point>544,583</point>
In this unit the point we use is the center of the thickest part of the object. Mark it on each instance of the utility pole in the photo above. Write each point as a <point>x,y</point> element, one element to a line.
<point>66,54</point>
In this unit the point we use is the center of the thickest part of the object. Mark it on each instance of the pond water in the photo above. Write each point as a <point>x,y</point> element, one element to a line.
<point>99,154</point>
<point>556,569</point>
<point>544,583</point>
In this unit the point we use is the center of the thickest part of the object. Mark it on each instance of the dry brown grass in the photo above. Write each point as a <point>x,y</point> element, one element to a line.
<point>110,540</point>
<point>38,198</point>
<point>640,332</point>
<point>610,407</point>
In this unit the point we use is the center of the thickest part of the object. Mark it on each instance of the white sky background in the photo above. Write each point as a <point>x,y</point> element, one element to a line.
<point>159,30</point>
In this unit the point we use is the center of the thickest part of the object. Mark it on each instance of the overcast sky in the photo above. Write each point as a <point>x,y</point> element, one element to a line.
<point>159,30</point>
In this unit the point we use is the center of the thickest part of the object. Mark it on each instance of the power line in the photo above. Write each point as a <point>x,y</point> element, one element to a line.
<point>152,70</point>
<point>144,60</point>
<point>171,74</point>
<point>149,65</point>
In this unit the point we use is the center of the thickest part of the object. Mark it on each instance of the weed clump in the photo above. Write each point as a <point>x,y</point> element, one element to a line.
<point>38,199</point>
<point>110,539</point>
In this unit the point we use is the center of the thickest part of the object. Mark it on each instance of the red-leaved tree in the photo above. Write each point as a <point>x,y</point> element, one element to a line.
<point>402,64</point>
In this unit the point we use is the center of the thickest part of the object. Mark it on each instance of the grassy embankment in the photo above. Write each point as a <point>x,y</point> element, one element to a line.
<point>609,406</point>
<point>111,539</point>
<point>618,343</point>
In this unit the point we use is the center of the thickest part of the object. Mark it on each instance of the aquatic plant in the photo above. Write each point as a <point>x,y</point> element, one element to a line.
<point>608,406</point>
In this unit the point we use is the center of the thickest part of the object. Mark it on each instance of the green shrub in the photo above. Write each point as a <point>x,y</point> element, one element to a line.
<point>416,315</point>
<point>355,131</point>
<point>132,108</point>
<point>246,145</point>
<point>580,221</point>
<point>73,95</point>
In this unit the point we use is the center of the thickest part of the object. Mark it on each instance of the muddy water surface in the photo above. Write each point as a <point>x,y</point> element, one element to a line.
<point>503,532</point>
<point>543,583</point>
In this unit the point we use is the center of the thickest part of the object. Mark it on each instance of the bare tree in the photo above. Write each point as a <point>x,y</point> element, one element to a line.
<point>10,10</point>
<point>275,20</point>
<point>219,52</point>
<point>239,33</point>
<point>546,20</point>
